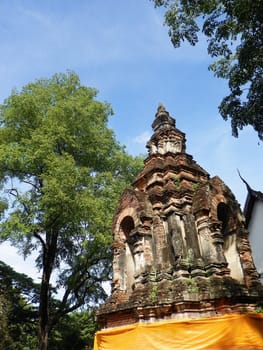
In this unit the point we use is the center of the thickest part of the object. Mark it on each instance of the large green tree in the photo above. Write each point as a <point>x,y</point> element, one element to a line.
<point>62,171</point>
<point>234,29</point>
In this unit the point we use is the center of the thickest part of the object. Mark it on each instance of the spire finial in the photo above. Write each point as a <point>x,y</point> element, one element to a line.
<point>162,119</point>
<point>160,108</point>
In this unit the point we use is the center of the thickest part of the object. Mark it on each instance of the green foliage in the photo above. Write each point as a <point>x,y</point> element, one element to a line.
<point>63,171</point>
<point>19,312</point>
<point>196,186</point>
<point>5,339</point>
<point>177,182</point>
<point>75,331</point>
<point>234,29</point>
<point>154,287</point>
<point>18,317</point>
<point>259,310</point>
<point>154,293</point>
<point>191,285</point>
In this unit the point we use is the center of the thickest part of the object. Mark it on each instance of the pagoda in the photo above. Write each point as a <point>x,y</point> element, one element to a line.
<point>180,244</point>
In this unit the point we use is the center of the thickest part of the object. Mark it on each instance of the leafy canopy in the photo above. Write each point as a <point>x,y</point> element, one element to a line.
<point>62,171</point>
<point>19,312</point>
<point>234,29</point>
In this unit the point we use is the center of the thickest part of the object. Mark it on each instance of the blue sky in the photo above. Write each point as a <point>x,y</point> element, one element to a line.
<point>122,48</point>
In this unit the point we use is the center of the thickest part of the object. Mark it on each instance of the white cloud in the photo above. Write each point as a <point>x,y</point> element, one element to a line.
<point>137,144</point>
<point>142,138</point>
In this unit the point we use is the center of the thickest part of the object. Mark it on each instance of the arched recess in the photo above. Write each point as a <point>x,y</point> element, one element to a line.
<point>127,266</point>
<point>224,214</point>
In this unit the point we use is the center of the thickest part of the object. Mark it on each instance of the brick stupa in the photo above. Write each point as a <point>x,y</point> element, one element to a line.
<point>180,245</point>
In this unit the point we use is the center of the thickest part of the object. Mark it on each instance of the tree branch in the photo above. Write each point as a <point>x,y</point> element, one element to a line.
<point>37,235</point>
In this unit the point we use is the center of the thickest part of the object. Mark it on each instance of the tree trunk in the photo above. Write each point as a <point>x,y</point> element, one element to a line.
<point>49,253</point>
<point>44,309</point>
<point>43,339</point>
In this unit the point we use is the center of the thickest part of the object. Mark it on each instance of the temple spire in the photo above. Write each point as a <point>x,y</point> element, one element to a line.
<point>166,138</point>
<point>162,119</point>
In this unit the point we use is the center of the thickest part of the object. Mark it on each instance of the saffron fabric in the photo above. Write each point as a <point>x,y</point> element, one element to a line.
<point>218,333</point>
